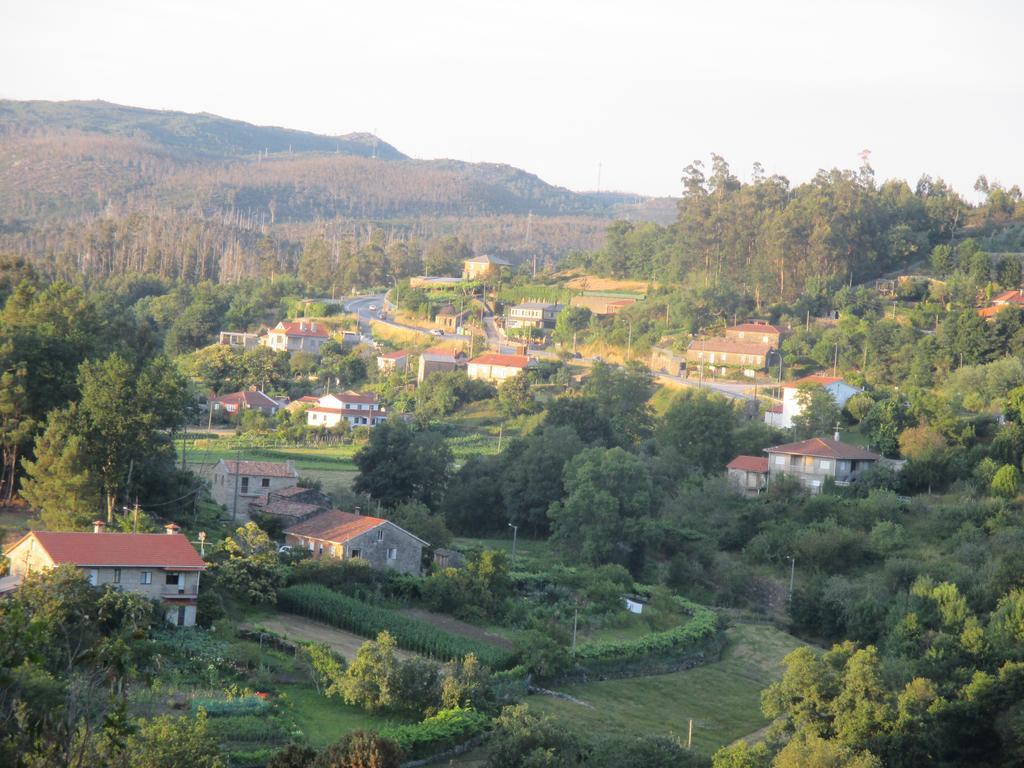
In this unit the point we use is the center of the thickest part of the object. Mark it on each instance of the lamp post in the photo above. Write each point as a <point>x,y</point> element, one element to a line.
<point>515,535</point>
<point>792,574</point>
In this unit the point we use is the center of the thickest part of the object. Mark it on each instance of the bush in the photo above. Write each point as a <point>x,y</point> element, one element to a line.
<point>447,729</point>
<point>319,603</point>
<point>243,705</point>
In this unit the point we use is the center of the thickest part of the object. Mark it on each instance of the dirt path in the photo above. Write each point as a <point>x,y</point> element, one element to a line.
<point>456,627</point>
<point>305,630</point>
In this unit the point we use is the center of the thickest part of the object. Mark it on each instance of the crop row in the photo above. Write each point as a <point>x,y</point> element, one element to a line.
<point>317,602</point>
<point>701,627</point>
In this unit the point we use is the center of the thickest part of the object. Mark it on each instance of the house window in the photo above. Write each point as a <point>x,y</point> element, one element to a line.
<point>117,575</point>
<point>172,579</point>
<point>321,549</point>
<point>356,553</point>
<point>265,482</point>
<point>93,576</point>
<point>330,550</point>
<point>146,577</point>
<point>380,534</point>
<point>826,464</point>
<point>245,485</point>
<point>780,459</point>
<point>392,553</point>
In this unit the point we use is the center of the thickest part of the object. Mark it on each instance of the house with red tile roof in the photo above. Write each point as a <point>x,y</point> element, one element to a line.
<point>160,566</point>
<point>438,360</point>
<point>748,474</point>
<point>840,390</point>
<point>291,504</point>
<point>350,535</point>
<point>236,483</point>
<point>757,331</point>
<point>357,408</point>
<point>814,461</point>
<point>297,336</point>
<point>726,352</point>
<point>393,361</point>
<point>497,368</point>
<point>250,399</point>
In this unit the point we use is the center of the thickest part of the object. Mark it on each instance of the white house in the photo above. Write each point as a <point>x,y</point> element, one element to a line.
<point>297,336</point>
<point>834,385</point>
<point>497,368</point>
<point>356,408</point>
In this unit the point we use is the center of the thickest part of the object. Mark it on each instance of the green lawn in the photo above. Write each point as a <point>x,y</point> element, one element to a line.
<point>722,698</point>
<point>337,457</point>
<point>324,721</point>
<point>531,554</point>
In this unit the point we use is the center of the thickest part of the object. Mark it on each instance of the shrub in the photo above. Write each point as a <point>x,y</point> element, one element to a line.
<point>447,729</point>
<point>244,705</point>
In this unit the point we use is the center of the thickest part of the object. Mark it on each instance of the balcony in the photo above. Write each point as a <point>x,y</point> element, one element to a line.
<point>170,590</point>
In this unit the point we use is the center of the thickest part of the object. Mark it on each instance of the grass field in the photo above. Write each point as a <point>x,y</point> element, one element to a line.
<point>531,554</point>
<point>324,721</point>
<point>723,698</point>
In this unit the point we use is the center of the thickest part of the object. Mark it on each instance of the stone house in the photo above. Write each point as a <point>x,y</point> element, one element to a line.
<point>251,478</point>
<point>497,368</point>
<point>667,360</point>
<point>602,305</point>
<point>748,474</point>
<point>814,461</point>
<point>291,504</point>
<point>357,408</point>
<point>297,336</point>
<point>345,536</point>
<point>757,331</point>
<point>163,567</point>
<point>724,352</point>
<point>482,267</point>
<point>449,318</point>
<point>438,360</point>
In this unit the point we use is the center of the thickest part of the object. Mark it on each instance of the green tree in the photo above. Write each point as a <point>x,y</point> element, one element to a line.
<point>584,415</point>
<point>818,413</point>
<point>58,484</point>
<point>371,680</point>
<point>524,740</point>
<point>515,397</point>
<point>399,464</point>
<point>532,477</point>
<point>811,750</point>
<point>608,501</point>
<point>1006,482</point>
<point>360,749</point>
<point>172,742</point>
<point>570,322</point>
<point>698,429</point>
<point>622,394</point>
<point>16,426</point>
<point>326,668</point>
<point>247,564</point>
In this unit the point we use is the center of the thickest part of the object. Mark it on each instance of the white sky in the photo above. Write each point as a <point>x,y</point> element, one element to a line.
<point>557,87</point>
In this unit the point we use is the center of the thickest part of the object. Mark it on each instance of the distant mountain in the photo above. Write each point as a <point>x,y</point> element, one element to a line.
<point>194,133</point>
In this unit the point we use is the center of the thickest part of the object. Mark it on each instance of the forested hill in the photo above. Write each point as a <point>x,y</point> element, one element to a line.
<point>193,134</point>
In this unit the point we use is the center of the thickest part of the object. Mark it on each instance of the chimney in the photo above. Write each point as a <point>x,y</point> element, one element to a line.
<point>357,511</point>
<point>836,435</point>
<point>291,465</point>
<point>302,326</point>
<point>312,327</point>
<point>97,526</point>
<point>171,529</point>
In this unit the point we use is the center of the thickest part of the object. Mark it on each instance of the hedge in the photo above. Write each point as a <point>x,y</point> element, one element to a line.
<point>702,627</point>
<point>244,705</point>
<point>445,730</point>
<point>321,604</point>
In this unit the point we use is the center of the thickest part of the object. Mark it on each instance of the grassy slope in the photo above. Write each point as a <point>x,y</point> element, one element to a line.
<point>723,698</point>
<point>324,721</point>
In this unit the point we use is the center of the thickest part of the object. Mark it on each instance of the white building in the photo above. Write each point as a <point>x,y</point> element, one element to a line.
<point>358,409</point>
<point>497,368</point>
<point>297,336</point>
<point>834,385</point>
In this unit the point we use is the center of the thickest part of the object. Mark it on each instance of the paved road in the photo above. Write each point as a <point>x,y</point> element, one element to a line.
<point>360,306</point>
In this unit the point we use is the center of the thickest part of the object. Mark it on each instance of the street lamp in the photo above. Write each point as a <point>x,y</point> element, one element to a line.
<point>515,534</point>
<point>792,573</point>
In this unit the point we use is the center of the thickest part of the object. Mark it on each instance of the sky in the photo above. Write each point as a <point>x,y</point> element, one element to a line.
<point>585,93</point>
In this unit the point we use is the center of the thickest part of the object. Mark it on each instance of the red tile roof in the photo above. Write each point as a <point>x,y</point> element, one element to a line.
<point>251,398</point>
<point>158,550</point>
<point>814,378</point>
<point>749,464</point>
<point>351,396</point>
<point>303,328</point>
<point>825,448</point>
<point>1015,296</point>
<point>757,328</point>
<point>509,361</point>
<point>441,351</point>
<point>264,468</point>
<point>335,526</point>
<point>723,344</point>
<point>395,355</point>
<point>775,409</point>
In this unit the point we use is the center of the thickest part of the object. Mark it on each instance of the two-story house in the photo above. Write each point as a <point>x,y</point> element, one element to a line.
<point>726,352</point>
<point>782,416</point>
<point>389,362</point>
<point>438,360</point>
<point>236,483</point>
<point>297,336</point>
<point>163,567</point>
<point>757,331</point>
<point>814,461</point>
<point>482,267</point>
<point>533,314</point>
<point>347,535</point>
<point>357,408</point>
<point>497,368</point>
<point>748,474</point>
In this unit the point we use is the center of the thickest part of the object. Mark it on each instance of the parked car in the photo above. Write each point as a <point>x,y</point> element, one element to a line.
<point>373,307</point>
<point>437,332</point>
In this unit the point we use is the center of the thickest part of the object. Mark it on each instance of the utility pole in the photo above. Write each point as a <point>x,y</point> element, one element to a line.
<point>575,617</point>
<point>792,574</point>
<point>629,342</point>
<point>835,360</point>
<point>238,471</point>
<point>501,429</point>
<point>689,735</point>
<point>515,534</point>
<point>135,516</point>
